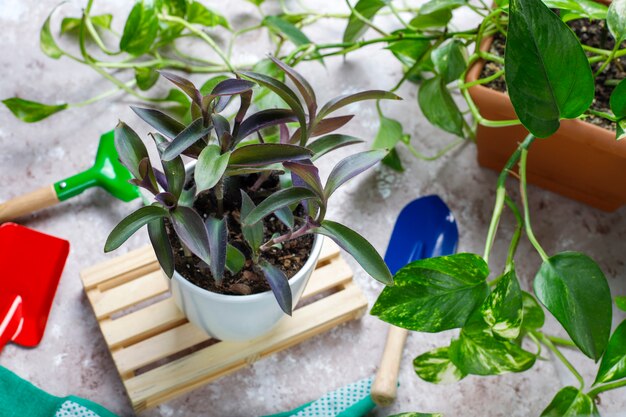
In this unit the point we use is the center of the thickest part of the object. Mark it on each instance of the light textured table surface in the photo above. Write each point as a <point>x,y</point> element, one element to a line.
<point>72,358</point>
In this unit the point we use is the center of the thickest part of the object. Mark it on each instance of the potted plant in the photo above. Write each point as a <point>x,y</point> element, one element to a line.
<point>500,325</point>
<point>238,236</point>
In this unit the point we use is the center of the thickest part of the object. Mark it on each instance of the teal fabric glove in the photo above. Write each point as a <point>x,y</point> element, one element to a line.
<point>20,398</point>
<point>350,401</point>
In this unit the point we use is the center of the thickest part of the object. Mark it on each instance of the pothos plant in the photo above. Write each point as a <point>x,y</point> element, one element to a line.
<point>228,150</point>
<point>500,324</point>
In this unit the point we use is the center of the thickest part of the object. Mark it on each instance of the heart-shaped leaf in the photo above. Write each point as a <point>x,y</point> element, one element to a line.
<point>436,367</point>
<point>323,145</point>
<point>190,228</point>
<point>276,201</point>
<point>350,167</point>
<point>146,77</point>
<point>533,316</point>
<point>161,245</point>
<point>389,134</point>
<point>200,14</point>
<point>502,310</point>
<point>618,100</point>
<point>140,29</point>
<point>218,239</point>
<point>620,302</point>
<point>571,402</point>
<point>434,294</point>
<point>31,111</point>
<point>450,60</point>
<point>72,24</point>
<point>210,167</point>
<point>135,221</point>
<point>437,19</point>
<point>356,27</point>
<point>613,365</point>
<point>574,289</point>
<point>235,259</point>
<point>279,285</point>
<point>616,20</point>
<point>438,106</point>
<point>541,88</point>
<point>268,153</point>
<point>360,249</point>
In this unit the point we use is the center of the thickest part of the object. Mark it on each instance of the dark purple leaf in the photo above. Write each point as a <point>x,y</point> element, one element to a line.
<point>285,215</point>
<point>146,178</point>
<point>161,245</point>
<point>327,125</point>
<point>284,133</point>
<point>342,101</point>
<point>308,173</point>
<point>357,246</point>
<point>220,124</point>
<point>301,84</point>
<point>245,101</point>
<point>329,143</point>
<point>161,179</point>
<point>350,167</point>
<point>131,224</point>
<point>167,199</point>
<point>160,121</point>
<point>232,86</point>
<point>187,86</point>
<point>130,148</point>
<point>185,139</point>
<point>175,173</point>
<point>263,119</point>
<point>276,201</point>
<point>218,236</point>
<point>279,285</point>
<point>268,153</point>
<point>189,227</point>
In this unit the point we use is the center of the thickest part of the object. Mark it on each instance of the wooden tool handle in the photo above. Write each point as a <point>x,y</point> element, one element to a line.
<point>28,203</point>
<point>385,386</point>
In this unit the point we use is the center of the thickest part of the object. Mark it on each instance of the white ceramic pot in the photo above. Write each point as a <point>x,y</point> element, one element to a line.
<point>239,317</point>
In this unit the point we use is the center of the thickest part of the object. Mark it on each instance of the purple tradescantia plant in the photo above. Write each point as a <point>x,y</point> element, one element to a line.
<point>224,150</point>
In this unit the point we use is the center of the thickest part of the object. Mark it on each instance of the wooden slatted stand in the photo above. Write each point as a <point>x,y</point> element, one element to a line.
<point>160,355</point>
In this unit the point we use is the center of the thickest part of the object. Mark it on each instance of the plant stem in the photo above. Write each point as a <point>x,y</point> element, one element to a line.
<point>561,342</point>
<point>618,54</point>
<point>516,235</point>
<point>480,119</point>
<point>560,356</point>
<point>288,236</point>
<point>608,60</point>
<point>606,387</point>
<point>529,229</point>
<point>129,84</point>
<point>485,80</point>
<point>501,194</point>
<point>439,154</point>
<point>602,114</point>
<point>202,36</point>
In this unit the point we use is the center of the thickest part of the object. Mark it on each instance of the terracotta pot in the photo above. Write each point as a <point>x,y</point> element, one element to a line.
<point>580,161</point>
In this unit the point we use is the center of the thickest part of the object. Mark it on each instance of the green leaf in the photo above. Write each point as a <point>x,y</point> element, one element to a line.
<point>620,129</point>
<point>502,310</point>
<point>616,20</point>
<point>571,402</point>
<point>190,228</point>
<point>279,284</point>
<point>434,294</point>
<point>389,134</point>
<point>338,102</point>
<point>437,19</point>
<point>541,88</point>
<point>439,107</point>
<point>350,167</point>
<point>356,27</point>
<point>360,249</point>
<point>46,41</point>
<point>31,111</point>
<point>146,77</point>
<point>185,139</point>
<point>613,365</point>
<point>268,153</point>
<point>329,143</point>
<point>577,9</point>
<point>135,221</point>
<point>210,84</point>
<point>263,97</point>
<point>533,316</point>
<point>303,86</point>
<point>140,29</point>
<point>235,259</point>
<point>218,239</point>
<point>256,2</point>
<point>408,51</point>
<point>200,14</point>
<point>294,34</point>
<point>172,7</point>
<point>574,289</point>
<point>130,148</point>
<point>618,100</point>
<point>479,352</point>
<point>436,367</point>
<point>71,24</point>
<point>620,302</point>
<point>450,60</point>
<point>393,161</point>
<point>436,5</point>
<point>252,233</point>
<point>276,201</point>
<point>210,167</point>
<point>161,245</point>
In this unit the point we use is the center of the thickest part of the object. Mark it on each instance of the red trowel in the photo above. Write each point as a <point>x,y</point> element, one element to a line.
<point>32,263</point>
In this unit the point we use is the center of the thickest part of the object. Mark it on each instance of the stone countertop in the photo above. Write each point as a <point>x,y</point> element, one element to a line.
<point>73,359</point>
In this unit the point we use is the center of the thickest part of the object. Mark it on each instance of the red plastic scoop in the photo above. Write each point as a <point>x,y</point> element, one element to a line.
<point>32,264</point>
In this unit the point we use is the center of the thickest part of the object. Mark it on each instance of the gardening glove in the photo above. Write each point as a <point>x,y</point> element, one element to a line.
<point>20,398</point>
<point>350,401</point>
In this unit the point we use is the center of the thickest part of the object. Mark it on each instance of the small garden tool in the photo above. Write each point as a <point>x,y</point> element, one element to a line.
<point>425,228</point>
<point>107,172</point>
<point>32,263</point>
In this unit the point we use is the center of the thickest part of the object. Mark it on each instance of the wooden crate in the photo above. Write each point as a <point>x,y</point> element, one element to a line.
<point>160,355</point>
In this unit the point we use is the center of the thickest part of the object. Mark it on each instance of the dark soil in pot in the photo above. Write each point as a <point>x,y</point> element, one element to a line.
<point>591,33</point>
<point>290,258</point>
